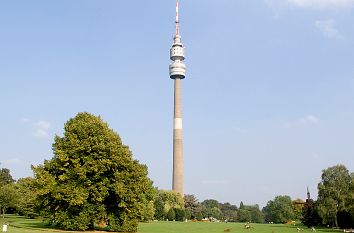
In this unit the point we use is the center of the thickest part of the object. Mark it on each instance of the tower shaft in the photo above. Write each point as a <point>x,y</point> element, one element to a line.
<point>177,72</point>
<point>178,168</point>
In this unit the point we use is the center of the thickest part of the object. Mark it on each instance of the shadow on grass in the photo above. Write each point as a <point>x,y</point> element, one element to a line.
<point>38,224</point>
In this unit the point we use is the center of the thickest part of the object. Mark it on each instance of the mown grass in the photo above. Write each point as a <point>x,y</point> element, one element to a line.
<point>23,225</point>
<point>204,227</point>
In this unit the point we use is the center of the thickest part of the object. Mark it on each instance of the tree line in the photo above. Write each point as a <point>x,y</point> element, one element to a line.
<point>93,181</point>
<point>334,206</point>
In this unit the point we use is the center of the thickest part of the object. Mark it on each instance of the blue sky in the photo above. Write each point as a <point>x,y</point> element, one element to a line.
<point>268,101</point>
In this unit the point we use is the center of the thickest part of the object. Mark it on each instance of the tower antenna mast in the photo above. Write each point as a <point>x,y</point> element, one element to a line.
<point>177,19</point>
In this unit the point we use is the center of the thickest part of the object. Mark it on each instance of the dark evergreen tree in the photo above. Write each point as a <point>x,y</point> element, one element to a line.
<point>241,205</point>
<point>310,216</point>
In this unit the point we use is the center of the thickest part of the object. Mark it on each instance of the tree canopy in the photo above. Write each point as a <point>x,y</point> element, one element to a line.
<point>192,205</point>
<point>279,210</point>
<point>8,198</point>
<point>334,194</point>
<point>92,179</point>
<point>169,205</point>
<point>5,177</point>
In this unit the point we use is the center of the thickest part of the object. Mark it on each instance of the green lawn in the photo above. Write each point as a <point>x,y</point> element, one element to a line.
<point>201,227</point>
<point>23,225</point>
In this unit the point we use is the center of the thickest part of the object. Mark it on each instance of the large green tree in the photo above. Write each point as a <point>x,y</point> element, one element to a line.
<point>92,179</point>
<point>279,210</point>
<point>333,193</point>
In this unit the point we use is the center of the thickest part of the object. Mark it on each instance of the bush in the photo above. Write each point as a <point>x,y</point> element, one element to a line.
<point>180,215</point>
<point>171,215</point>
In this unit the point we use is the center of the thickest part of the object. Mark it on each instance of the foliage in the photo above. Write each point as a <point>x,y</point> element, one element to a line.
<point>333,192</point>
<point>159,207</point>
<point>192,205</point>
<point>210,203</point>
<point>222,211</point>
<point>25,202</point>
<point>256,215</point>
<point>180,214</point>
<point>171,214</point>
<point>298,206</point>
<point>241,205</point>
<point>188,214</point>
<point>211,209</point>
<point>229,212</point>
<point>165,201</point>
<point>279,210</point>
<point>8,198</point>
<point>5,177</point>
<point>350,199</point>
<point>92,179</point>
<point>310,217</point>
<point>199,216</point>
<point>250,213</point>
<point>243,215</point>
<point>148,212</point>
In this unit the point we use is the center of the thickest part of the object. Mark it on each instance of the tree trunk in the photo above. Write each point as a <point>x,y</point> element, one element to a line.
<point>335,218</point>
<point>91,225</point>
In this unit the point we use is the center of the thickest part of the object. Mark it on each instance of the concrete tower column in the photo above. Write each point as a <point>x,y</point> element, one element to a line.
<point>178,168</point>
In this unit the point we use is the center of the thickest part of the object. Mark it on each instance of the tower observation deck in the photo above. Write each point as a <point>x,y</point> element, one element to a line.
<point>177,72</point>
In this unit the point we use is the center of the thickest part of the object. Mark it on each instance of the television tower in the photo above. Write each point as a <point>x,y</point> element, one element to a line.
<point>177,73</point>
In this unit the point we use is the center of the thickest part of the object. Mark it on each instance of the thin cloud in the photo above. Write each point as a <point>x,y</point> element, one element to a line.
<point>43,124</point>
<point>322,4</point>
<point>310,119</point>
<point>24,120</point>
<point>42,128</point>
<point>40,133</point>
<point>327,28</point>
<point>307,120</point>
<point>278,6</point>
